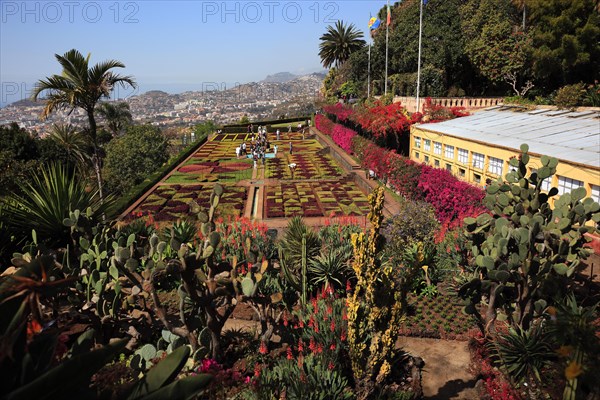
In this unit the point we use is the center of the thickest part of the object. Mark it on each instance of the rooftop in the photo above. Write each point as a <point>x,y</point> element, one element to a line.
<point>572,136</point>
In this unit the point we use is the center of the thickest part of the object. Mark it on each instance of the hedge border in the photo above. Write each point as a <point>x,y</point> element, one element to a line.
<point>141,188</point>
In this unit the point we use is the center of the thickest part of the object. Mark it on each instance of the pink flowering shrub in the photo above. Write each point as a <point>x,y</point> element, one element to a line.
<point>451,198</point>
<point>342,136</point>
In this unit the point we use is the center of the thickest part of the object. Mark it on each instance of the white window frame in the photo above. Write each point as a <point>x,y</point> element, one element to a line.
<point>567,185</point>
<point>449,152</point>
<point>427,145</point>
<point>437,148</point>
<point>595,193</point>
<point>417,142</point>
<point>496,166</point>
<point>478,160</point>
<point>463,156</point>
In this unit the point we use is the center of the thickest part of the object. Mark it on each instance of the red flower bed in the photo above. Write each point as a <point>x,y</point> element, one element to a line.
<point>192,168</point>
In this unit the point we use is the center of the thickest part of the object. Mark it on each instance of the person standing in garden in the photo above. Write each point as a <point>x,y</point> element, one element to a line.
<point>291,148</point>
<point>275,150</point>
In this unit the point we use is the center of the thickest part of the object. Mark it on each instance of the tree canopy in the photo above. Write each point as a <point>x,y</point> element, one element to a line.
<point>481,47</point>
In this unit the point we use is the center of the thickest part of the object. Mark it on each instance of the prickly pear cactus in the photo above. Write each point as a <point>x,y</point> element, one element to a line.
<point>525,249</point>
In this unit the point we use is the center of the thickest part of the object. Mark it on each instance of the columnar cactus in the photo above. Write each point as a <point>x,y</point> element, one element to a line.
<point>524,249</point>
<point>374,309</point>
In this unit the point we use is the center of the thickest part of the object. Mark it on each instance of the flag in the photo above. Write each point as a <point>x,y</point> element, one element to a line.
<point>389,14</point>
<point>374,23</point>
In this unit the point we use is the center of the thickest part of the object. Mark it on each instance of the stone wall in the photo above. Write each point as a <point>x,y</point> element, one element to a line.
<point>469,103</point>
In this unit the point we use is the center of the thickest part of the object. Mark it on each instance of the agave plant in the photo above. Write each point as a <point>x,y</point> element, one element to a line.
<point>524,353</point>
<point>291,245</point>
<point>330,268</point>
<point>183,231</point>
<point>47,200</point>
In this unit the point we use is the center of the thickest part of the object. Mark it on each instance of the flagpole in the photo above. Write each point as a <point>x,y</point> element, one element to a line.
<point>419,57</point>
<point>387,34</point>
<point>369,74</point>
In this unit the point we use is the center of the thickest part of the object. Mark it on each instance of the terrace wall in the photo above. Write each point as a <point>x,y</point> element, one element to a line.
<point>469,103</point>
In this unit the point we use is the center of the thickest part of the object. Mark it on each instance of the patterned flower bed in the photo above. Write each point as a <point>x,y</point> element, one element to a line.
<point>195,170</point>
<point>308,166</point>
<point>315,199</point>
<point>215,150</point>
<point>171,202</point>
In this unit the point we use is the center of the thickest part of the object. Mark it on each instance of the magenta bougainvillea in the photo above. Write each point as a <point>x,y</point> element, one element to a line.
<point>451,198</point>
<point>342,136</point>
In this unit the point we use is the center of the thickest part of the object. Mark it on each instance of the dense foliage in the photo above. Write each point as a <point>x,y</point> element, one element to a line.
<point>480,47</point>
<point>133,156</point>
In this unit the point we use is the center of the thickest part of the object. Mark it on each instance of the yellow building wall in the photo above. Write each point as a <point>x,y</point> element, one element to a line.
<point>472,173</point>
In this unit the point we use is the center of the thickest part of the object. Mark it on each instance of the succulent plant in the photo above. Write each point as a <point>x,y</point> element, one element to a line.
<point>524,249</point>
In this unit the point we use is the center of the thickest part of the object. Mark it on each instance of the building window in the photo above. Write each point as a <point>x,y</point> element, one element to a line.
<point>449,167</point>
<point>566,185</point>
<point>417,142</point>
<point>417,154</point>
<point>449,154</point>
<point>477,178</point>
<point>463,156</point>
<point>427,146</point>
<point>437,147</point>
<point>545,183</point>
<point>478,160</point>
<point>595,193</point>
<point>461,172</point>
<point>436,163</point>
<point>426,159</point>
<point>495,166</point>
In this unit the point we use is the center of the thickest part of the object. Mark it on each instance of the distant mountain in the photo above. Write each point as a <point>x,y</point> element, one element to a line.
<point>27,103</point>
<point>280,77</point>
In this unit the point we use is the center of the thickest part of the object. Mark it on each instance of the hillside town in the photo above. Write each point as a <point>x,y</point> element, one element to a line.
<point>268,99</point>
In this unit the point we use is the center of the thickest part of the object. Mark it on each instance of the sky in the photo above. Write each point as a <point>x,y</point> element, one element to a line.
<point>170,45</point>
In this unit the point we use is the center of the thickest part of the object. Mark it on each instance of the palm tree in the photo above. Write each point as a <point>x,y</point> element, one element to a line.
<point>338,43</point>
<point>81,86</point>
<point>73,141</point>
<point>117,116</point>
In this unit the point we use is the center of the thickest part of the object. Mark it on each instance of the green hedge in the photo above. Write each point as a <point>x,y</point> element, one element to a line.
<point>137,191</point>
<point>267,122</point>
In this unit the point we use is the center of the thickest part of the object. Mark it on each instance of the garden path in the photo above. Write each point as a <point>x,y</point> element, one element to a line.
<point>446,373</point>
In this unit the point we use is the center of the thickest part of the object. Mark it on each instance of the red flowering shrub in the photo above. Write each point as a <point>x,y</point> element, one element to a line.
<point>383,121</point>
<point>438,113</point>
<point>339,111</point>
<point>342,136</point>
<point>324,124</point>
<point>450,197</point>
